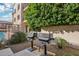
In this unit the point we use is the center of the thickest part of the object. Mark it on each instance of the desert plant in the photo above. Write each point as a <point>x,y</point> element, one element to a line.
<point>61,42</point>
<point>18,37</point>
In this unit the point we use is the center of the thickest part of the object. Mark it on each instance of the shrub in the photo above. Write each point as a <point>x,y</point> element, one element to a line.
<point>1,44</point>
<point>61,43</point>
<point>18,37</point>
<point>49,14</point>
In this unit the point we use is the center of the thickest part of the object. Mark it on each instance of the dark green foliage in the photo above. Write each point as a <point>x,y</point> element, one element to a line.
<point>18,37</point>
<point>47,14</point>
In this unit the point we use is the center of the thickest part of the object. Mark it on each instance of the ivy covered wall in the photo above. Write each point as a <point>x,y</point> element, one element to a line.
<point>50,14</point>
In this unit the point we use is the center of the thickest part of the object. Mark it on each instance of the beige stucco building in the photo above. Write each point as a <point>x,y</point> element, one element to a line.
<point>17,17</point>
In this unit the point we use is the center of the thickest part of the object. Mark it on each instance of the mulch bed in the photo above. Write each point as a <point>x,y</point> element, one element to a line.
<point>19,47</point>
<point>68,51</point>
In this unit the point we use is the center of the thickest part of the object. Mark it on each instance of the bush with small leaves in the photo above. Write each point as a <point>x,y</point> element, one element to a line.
<point>51,14</point>
<point>18,37</point>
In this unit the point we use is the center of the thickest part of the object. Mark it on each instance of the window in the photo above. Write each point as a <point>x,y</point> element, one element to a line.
<point>18,17</point>
<point>18,6</point>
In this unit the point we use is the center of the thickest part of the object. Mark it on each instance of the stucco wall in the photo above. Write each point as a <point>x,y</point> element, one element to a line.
<point>68,32</point>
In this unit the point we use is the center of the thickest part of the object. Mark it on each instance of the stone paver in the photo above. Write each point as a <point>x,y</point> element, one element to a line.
<point>41,52</point>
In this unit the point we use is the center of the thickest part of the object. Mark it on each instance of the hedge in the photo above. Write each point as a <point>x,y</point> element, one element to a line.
<point>48,14</point>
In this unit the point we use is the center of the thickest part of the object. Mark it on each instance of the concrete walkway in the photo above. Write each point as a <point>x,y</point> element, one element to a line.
<point>24,52</point>
<point>6,52</point>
